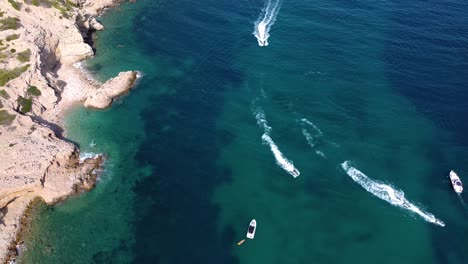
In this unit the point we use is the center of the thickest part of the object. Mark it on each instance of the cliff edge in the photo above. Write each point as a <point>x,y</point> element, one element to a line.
<point>40,44</point>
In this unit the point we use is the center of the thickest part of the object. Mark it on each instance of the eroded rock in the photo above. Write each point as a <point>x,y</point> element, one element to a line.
<point>103,97</point>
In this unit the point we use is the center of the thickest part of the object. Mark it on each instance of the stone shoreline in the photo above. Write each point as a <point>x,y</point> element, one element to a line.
<point>39,47</point>
<point>95,168</point>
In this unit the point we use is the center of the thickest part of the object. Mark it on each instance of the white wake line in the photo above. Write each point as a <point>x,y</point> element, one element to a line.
<point>312,142</point>
<point>387,193</point>
<point>281,160</point>
<point>315,128</point>
<point>265,21</point>
<point>312,137</point>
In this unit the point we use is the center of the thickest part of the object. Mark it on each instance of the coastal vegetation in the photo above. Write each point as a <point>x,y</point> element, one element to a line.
<point>33,91</point>
<point>4,94</point>
<point>63,7</point>
<point>24,55</point>
<point>9,23</point>
<point>8,75</point>
<point>6,118</point>
<point>12,37</point>
<point>25,104</point>
<point>15,4</point>
<point>3,56</point>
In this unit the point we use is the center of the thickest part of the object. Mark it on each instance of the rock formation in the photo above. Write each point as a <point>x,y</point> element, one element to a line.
<point>103,97</point>
<point>39,49</point>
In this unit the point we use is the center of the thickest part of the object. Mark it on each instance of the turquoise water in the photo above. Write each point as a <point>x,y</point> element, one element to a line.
<point>378,84</point>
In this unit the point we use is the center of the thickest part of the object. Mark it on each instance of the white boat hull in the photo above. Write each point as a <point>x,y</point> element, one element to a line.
<point>252,228</point>
<point>456,183</point>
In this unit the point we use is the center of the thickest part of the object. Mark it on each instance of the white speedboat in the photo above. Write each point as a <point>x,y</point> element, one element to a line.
<point>456,183</point>
<point>295,173</point>
<point>252,228</point>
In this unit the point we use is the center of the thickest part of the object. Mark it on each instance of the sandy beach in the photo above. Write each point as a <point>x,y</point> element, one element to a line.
<point>41,44</point>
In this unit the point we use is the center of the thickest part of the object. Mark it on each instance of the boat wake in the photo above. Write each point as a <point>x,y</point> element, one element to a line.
<point>462,201</point>
<point>312,136</point>
<point>281,160</point>
<point>265,21</point>
<point>387,193</point>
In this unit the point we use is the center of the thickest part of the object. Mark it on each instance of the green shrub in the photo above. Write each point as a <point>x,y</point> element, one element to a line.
<point>12,50</point>
<point>33,91</point>
<point>12,37</point>
<point>1,105</point>
<point>62,7</point>
<point>45,3</point>
<point>1,13</point>
<point>8,75</point>
<point>25,104</point>
<point>24,55</point>
<point>4,94</point>
<point>6,118</point>
<point>9,23</point>
<point>15,4</point>
<point>70,3</point>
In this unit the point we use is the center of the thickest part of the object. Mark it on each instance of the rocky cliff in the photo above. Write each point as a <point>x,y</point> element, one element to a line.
<point>40,44</point>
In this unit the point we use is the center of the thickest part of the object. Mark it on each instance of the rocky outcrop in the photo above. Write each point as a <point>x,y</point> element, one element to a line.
<point>94,24</point>
<point>35,163</point>
<point>103,97</point>
<point>35,160</point>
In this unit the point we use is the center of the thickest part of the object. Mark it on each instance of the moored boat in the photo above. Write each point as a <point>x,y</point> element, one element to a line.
<point>251,229</point>
<point>456,183</point>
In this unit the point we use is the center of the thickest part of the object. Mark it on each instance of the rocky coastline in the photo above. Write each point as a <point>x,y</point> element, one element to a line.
<point>40,43</point>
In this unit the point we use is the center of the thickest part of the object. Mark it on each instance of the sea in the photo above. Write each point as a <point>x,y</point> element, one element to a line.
<point>334,124</point>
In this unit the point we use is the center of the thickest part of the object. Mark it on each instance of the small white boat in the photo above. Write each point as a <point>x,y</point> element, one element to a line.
<point>456,183</point>
<point>252,228</point>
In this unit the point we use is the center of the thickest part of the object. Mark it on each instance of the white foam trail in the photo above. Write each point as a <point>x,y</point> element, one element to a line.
<point>387,193</point>
<point>281,160</point>
<point>462,201</point>
<point>265,21</point>
<point>312,142</point>
<point>312,138</point>
<point>317,130</point>
<point>320,153</point>
<point>261,120</point>
<point>309,138</point>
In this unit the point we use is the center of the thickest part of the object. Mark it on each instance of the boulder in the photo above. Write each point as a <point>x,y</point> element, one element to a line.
<point>75,52</point>
<point>93,23</point>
